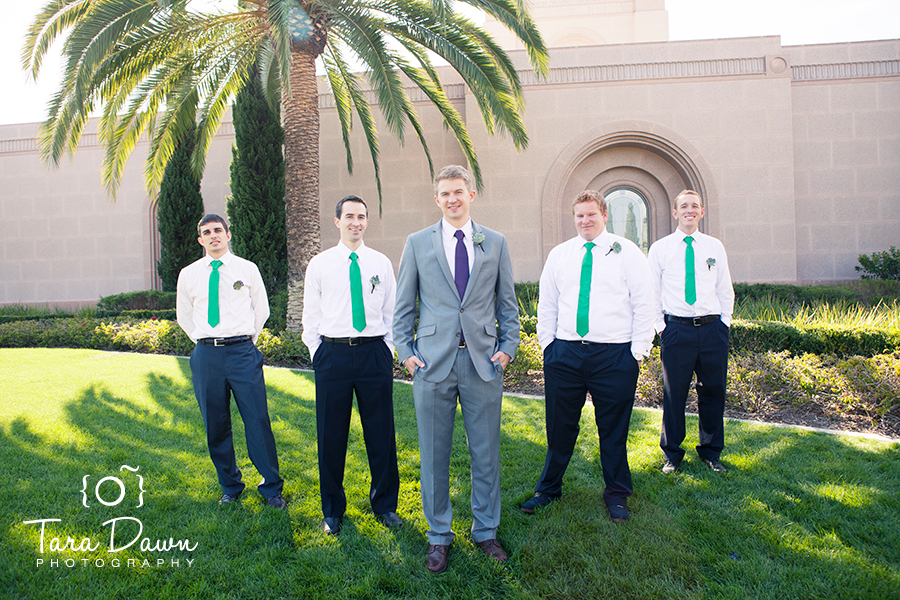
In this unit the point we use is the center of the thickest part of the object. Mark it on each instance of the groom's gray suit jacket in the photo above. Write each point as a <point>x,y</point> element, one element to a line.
<point>488,314</point>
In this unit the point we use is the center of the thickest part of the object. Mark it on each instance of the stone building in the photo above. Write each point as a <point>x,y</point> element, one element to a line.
<point>796,150</point>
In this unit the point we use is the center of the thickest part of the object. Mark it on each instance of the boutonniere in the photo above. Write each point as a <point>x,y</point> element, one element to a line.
<point>374,281</point>
<point>477,238</point>
<point>238,284</point>
<point>616,247</point>
<point>710,263</point>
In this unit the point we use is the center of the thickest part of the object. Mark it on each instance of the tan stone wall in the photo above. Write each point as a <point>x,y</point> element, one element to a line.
<point>846,122</point>
<point>63,241</point>
<point>795,149</point>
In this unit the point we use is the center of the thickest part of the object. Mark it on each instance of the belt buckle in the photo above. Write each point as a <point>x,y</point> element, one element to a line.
<point>462,344</point>
<point>350,341</point>
<point>697,321</point>
<point>217,340</point>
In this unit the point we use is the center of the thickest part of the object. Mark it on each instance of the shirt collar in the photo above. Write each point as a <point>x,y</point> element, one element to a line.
<point>225,258</point>
<point>449,230</point>
<point>345,249</point>
<point>598,241</point>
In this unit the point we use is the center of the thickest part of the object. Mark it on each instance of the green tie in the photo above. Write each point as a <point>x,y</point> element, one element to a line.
<point>584,292</point>
<point>690,286</point>
<point>212,315</point>
<point>356,298</point>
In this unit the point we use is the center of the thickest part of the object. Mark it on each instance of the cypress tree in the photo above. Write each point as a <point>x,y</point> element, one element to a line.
<point>256,206</point>
<point>179,210</point>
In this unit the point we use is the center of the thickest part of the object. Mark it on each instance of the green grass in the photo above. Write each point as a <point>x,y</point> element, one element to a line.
<point>883,315</point>
<point>799,515</point>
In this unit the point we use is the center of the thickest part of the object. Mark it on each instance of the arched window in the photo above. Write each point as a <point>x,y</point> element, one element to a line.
<point>628,216</point>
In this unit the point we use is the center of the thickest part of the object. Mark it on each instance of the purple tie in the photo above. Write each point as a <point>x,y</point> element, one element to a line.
<point>462,264</point>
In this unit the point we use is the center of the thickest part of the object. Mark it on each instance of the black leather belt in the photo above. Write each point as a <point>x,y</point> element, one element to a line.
<point>238,339</point>
<point>357,341</point>
<point>695,321</point>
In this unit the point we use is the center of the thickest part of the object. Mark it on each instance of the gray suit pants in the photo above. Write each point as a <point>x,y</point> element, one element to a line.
<point>480,402</point>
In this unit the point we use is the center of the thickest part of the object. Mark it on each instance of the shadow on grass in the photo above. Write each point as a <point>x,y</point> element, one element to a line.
<point>798,515</point>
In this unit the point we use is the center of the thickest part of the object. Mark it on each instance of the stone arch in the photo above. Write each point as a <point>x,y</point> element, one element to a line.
<point>648,157</point>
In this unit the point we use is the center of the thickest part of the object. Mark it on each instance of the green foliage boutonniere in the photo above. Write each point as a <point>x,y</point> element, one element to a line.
<point>374,280</point>
<point>615,247</point>
<point>238,284</point>
<point>710,263</point>
<point>477,238</point>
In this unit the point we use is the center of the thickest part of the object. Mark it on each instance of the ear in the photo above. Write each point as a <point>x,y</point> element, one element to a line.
<point>337,222</point>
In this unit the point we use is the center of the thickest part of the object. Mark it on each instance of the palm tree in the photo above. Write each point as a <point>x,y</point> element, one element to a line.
<point>155,67</point>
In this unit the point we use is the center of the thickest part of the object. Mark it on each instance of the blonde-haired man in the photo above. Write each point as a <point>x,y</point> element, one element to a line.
<point>694,301</point>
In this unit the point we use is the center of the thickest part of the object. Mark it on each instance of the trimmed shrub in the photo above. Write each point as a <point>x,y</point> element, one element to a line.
<point>880,265</point>
<point>141,300</point>
<point>762,336</point>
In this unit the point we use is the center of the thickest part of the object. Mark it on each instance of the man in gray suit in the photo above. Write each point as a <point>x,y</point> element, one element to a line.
<point>468,332</point>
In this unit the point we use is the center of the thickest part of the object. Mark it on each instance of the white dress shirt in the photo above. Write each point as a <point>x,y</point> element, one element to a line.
<point>621,308</point>
<point>448,234</point>
<point>327,305</point>
<point>243,303</point>
<point>715,294</point>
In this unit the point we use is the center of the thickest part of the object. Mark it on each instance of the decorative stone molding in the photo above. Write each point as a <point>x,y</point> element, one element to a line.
<point>455,91</point>
<point>88,140</point>
<point>660,70</point>
<point>850,70</point>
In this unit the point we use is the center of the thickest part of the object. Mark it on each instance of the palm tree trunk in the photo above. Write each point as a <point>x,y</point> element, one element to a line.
<point>301,158</point>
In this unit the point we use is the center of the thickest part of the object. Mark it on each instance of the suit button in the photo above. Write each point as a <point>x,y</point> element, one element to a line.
<point>462,310</point>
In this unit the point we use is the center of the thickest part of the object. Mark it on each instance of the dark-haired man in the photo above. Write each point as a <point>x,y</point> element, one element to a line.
<point>348,306</point>
<point>222,306</point>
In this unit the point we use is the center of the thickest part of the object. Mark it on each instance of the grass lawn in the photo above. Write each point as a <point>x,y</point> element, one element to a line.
<point>799,515</point>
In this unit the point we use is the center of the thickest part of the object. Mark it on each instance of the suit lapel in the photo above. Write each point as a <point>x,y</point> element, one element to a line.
<point>437,240</point>
<point>478,249</point>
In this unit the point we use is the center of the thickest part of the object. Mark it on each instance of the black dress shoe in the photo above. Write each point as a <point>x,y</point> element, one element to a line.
<point>331,525</point>
<point>618,513</point>
<point>277,502</point>
<point>390,519</point>
<point>669,467</point>
<point>539,499</point>
<point>715,465</point>
<point>229,498</point>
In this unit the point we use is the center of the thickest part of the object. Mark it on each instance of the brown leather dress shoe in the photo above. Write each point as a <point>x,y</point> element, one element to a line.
<point>436,557</point>
<point>493,549</point>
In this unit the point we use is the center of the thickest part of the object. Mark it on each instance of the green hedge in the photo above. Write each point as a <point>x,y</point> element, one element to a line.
<point>140,300</point>
<point>763,336</point>
<point>154,336</point>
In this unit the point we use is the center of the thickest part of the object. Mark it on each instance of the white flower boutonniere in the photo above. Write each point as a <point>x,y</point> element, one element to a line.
<point>374,280</point>
<point>238,284</point>
<point>710,263</point>
<point>477,238</point>
<point>615,247</point>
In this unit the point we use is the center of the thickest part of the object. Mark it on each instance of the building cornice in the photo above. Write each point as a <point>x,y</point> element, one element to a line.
<point>847,70</point>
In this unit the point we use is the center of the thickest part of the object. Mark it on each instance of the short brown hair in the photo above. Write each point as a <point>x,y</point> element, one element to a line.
<point>339,209</point>
<point>684,193</point>
<point>591,196</point>
<point>211,218</point>
<point>454,172</point>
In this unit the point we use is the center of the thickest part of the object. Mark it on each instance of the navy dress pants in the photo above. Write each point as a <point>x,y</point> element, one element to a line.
<point>218,372</point>
<point>366,370</point>
<point>609,372</point>
<point>686,350</point>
